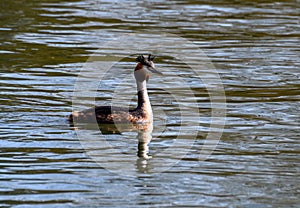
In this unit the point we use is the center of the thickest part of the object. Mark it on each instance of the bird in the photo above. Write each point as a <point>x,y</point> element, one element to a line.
<point>142,114</point>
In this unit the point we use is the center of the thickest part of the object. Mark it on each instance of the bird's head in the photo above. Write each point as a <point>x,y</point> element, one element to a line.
<point>144,65</point>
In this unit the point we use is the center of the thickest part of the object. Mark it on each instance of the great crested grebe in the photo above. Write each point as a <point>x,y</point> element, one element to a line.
<point>110,115</point>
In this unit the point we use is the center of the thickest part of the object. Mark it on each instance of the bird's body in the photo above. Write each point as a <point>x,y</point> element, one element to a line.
<point>110,115</point>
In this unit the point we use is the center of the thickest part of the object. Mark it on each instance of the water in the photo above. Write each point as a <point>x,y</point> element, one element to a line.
<point>254,47</point>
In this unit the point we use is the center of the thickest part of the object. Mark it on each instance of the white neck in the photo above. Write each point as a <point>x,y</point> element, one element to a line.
<point>143,98</point>
<point>141,85</point>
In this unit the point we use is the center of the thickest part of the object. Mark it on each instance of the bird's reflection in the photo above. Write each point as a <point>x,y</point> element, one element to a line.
<point>144,137</point>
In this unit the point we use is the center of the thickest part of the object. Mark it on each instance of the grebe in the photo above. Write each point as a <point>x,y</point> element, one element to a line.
<point>110,115</point>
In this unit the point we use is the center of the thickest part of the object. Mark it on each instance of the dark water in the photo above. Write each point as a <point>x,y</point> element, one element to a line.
<point>254,47</point>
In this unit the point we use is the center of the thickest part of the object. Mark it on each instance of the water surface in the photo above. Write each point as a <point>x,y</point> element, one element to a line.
<point>254,47</point>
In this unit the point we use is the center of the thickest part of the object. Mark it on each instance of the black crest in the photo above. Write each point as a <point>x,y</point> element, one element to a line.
<point>150,57</point>
<point>144,60</point>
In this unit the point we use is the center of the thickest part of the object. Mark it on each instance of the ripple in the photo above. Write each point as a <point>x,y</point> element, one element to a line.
<point>254,46</point>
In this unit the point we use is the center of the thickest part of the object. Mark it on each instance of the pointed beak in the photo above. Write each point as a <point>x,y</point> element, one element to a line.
<point>153,70</point>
